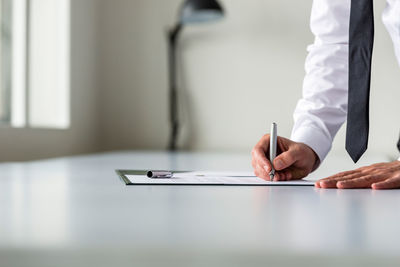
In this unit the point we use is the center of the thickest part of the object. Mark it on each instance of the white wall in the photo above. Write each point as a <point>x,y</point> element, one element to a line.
<point>237,75</point>
<point>82,137</point>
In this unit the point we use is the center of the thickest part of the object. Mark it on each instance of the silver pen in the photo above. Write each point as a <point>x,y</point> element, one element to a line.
<point>272,148</point>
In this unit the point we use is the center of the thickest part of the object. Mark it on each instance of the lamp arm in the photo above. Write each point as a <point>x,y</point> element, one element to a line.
<point>173,93</point>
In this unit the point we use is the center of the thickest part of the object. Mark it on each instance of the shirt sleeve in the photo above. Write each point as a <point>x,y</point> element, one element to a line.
<point>322,110</point>
<point>391,19</point>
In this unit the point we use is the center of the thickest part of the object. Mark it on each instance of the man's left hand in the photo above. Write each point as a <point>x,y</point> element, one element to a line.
<point>376,176</point>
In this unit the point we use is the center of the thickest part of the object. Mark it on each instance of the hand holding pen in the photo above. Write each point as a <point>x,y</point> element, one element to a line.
<point>294,161</point>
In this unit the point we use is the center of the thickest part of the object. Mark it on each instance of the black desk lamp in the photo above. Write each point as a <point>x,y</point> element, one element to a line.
<point>191,12</point>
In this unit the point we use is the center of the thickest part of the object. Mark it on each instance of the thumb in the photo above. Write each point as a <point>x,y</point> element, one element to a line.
<point>284,160</point>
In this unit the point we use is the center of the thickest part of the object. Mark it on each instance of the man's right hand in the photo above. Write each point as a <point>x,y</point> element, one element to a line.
<point>295,160</point>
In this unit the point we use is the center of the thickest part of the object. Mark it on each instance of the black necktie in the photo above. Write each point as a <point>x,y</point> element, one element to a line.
<point>361,41</point>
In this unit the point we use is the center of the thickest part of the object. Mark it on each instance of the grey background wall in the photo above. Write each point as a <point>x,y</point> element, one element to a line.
<point>236,76</point>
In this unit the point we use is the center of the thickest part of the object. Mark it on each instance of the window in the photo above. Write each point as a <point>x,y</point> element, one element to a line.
<point>5,59</point>
<point>35,63</point>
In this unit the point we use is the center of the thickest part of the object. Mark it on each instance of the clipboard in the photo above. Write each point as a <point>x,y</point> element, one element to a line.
<point>138,177</point>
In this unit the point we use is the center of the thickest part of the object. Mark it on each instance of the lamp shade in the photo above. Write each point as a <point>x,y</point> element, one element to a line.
<point>198,11</point>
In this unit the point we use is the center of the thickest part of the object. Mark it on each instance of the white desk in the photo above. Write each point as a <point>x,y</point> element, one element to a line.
<point>76,212</point>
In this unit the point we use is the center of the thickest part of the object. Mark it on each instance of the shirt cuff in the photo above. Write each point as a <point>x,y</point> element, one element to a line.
<point>314,138</point>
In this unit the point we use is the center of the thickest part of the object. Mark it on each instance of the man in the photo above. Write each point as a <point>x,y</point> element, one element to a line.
<point>336,85</point>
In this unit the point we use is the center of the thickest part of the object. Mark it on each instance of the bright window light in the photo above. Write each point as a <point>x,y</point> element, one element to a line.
<point>5,60</point>
<point>35,63</point>
<point>18,96</point>
<point>49,75</point>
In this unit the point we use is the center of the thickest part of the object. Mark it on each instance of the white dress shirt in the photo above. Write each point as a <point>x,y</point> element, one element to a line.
<point>323,108</point>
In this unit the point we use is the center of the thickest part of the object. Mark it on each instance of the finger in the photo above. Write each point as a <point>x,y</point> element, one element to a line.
<point>361,182</point>
<point>253,163</point>
<point>288,175</point>
<point>285,175</point>
<point>284,160</point>
<point>296,173</point>
<point>390,183</point>
<point>262,173</point>
<point>332,182</point>
<point>261,159</point>
<point>278,177</point>
<point>340,174</point>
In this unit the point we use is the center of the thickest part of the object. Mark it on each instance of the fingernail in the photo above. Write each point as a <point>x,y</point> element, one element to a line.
<point>267,169</point>
<point>278,163</point>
